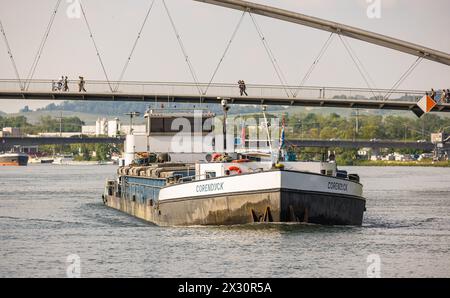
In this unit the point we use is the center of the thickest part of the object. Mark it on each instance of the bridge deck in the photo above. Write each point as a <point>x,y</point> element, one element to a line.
<point>251,100</point>
<point>337,97</point>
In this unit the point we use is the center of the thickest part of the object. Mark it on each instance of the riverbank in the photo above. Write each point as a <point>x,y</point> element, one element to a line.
<point>382,163</point>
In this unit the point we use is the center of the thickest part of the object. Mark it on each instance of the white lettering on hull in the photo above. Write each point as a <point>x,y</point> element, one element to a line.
<point>209,187</point>
<point>338,186</point>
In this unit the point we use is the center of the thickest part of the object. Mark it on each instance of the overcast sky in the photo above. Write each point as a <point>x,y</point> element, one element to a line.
<point>205,31</point>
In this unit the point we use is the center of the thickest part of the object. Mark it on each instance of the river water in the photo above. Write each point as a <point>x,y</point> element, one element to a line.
<point>49,212</point>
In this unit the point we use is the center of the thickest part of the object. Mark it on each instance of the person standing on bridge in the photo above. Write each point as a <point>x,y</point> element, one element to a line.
<point>81,85</point>
<point>433,94</point>
<point>444,96</point>
<point>242,87</point>
<point>60,83</point>
<point>66,84</point>
<point>447,96</point>
<point>54,86</point>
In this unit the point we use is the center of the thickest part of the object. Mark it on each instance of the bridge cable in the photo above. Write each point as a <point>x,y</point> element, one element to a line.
<point>358,66</point>
<point>134,46</point>
<point>272,57</point>
<point>369,77</point>
<point>183,49</point>
<point>11,55</point>
<point>95,45</point>
<point>315,63</point>
<point>225,52</point>
<point>41,46</point>
<point>403,77</point>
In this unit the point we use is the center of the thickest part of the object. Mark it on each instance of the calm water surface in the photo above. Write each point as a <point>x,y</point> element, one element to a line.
<point>48,212</point>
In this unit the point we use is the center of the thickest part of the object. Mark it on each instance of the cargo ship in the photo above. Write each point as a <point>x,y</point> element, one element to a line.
<point>13,159</point>
<point>244,187</point>
<point>237,192</point>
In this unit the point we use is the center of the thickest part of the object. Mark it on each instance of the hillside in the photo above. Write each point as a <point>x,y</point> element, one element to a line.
<point>90,118</point>
<point>89,112</point>
<point>118,109</point>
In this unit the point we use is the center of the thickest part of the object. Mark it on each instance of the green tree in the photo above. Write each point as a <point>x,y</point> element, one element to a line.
<point>19,121</point>
<point>68,124</point>
<point>103,151</point>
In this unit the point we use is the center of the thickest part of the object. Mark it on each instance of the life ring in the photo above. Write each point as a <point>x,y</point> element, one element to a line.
<point>216,156</point>
<point>235,169</point>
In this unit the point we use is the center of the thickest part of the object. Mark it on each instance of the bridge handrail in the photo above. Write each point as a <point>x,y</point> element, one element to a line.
<point>225,85</point>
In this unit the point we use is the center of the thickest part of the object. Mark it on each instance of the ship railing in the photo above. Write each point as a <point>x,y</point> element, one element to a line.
<point>145,185</point>
<point>193,178</point>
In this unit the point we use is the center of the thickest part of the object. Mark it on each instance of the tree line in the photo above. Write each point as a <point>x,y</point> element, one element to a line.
<point>301,126</point>
<point>45,124</point>
<point>364,127</point>
<point>120,108</point>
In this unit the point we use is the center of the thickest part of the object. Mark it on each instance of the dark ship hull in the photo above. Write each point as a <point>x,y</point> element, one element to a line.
<point>233,200</point>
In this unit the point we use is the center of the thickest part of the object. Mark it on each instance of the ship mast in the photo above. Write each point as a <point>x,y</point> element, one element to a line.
<point>225,108</point>
<point>149,126</point>
<point>269,138</point>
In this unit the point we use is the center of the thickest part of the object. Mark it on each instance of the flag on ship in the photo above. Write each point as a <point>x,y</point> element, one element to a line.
<point>243,135</point>
<point>282,136</point>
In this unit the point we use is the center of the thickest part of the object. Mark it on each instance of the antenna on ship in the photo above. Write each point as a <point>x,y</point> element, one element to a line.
<point>132,115</point>
<point>269,138</point>
<point>149,125</point>
<point>225,108</point>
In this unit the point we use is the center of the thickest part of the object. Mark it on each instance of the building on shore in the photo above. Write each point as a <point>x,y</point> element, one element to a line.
<point>110,128</point>
<point>13,132</point>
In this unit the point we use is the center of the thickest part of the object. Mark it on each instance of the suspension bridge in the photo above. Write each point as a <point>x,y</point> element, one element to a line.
<point>367,97</point>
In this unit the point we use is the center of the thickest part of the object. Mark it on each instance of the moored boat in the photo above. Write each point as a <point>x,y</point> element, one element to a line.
<point>41,160</point>
<point>13,159</point>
